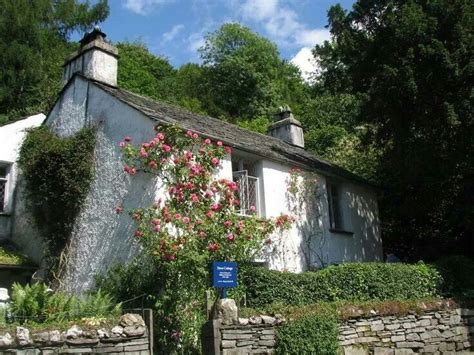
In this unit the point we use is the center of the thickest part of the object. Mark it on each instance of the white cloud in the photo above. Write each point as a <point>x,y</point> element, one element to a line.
<point>282,23</point>
<point>171,34</point>
<point>305,61</point>
<point>258,10</point>
<point>310,38</point>
<point>195,41</point>
<point>142,7</point>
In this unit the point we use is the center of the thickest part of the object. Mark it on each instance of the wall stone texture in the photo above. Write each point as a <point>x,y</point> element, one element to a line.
<point>129,336</point>
<point>441,332</point>
<point>438,332</point>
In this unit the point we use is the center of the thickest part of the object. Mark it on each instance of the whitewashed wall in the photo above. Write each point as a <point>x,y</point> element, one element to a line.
<point>102,238</point>
<point>11,138</point>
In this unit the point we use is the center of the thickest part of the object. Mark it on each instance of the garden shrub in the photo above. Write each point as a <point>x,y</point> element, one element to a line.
<point>312,333</point>
<point>39,304</point>
<point>351,281</point>
<point>57,172</point>
<point>458,276</point>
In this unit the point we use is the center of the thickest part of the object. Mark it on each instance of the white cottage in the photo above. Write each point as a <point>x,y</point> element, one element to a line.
<point>339,224</point>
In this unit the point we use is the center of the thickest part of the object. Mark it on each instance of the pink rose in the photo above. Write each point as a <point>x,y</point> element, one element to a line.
<point>186,220</point>
<point>208,193</point>
<point>157,229</point>
<point>138,233</point>
<point>207,141</point>
<point>210,214</point>
<point>227,224</point>
<point>195,136</point>
<point>143,153</point>
<point>119,209</point>
<point>219,143</point>
<point>166,148</point>
<point>194,198</point>
<point>213,247</point>
<point>215,206</point>
<point>228,150</point>
<point>127,139</point>
<point>152,164</point>
<point>177,216</point>
<point>215,161</point>
<point>122,145</point>
<point>155,221</point>
<point>160,136</point>
<point>230,237</point>
<point>132,171</point>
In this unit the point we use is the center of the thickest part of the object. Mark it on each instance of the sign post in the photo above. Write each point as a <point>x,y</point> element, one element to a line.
<point>224,276</point>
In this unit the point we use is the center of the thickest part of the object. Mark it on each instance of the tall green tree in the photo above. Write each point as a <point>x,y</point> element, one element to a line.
<point>33,44</point>
<point>411,62</point>
<point>246,76</point>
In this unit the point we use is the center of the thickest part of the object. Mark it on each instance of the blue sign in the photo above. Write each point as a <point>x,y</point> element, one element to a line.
<point>224,274</point>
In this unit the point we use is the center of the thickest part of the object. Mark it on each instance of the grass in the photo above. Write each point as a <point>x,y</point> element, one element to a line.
<point>8,257</point>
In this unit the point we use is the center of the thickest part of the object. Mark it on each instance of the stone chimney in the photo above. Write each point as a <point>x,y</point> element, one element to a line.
<point>287,128</point>
<point>95,59</point>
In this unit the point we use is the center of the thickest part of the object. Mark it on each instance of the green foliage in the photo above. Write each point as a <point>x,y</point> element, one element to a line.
<point>39,304</point>
<point>144,73</point>
<point>457,272</point>
<point>410,64</point>
<point>58,172</point>
<point>10,257</point>
<point>246,77</point>
<point>313,333</point>
<point>352,281</point>
<point>33,46</point>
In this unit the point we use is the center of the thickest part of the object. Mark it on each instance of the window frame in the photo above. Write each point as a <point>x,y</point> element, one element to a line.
<point>337,222</point>
<point>5,180</point>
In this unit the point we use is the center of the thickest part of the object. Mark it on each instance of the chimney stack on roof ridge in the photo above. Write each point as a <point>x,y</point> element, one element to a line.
<point>287,128</point>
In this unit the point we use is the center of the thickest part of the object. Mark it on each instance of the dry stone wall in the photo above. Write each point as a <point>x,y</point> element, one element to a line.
<point>441,332</point>
<point>129,336</point>
<point>446,331</point>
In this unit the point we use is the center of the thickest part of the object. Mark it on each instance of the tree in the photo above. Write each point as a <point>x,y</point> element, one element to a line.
<point>246,76</point>
<point>33,45</point>
<point>144,73</point>
<point>411,64</point>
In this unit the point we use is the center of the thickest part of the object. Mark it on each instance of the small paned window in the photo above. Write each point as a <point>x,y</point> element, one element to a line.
<point>3,186</point>
<point>335,207</point>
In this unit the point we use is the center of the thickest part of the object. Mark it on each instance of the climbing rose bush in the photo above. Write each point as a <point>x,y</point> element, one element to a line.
<point>198,214</point>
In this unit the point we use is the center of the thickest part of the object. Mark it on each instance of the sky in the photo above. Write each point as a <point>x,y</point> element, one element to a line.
<point>176,28</point>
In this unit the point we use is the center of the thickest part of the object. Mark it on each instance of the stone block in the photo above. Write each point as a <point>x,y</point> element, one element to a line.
<point>403,351</point>
<point>356,350</point>
<point>266,343</point>
<point>226,344</point>
<point>135,348</point>
<point>383,351</point>
<point>75,350</point>
<point>412,337</point>
<point>431,348</point>
<point>392,326</point>
<point>244,343</point>
<point>377,327</point>
<point>363,340</point>
<point>226,336</point>
<point>396,338</point>
<point>410,344</point>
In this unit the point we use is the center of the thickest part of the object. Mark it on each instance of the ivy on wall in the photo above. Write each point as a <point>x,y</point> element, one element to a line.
<point>57,172</point>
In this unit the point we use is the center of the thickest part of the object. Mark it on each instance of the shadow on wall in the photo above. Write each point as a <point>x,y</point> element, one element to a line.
<point>102,237</point>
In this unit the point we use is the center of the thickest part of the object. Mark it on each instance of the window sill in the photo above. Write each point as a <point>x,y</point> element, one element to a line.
<point>340,231</point>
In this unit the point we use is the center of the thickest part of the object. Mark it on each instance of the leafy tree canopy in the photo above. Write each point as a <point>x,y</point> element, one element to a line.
<point>33,46</point>
<point>411,64</point>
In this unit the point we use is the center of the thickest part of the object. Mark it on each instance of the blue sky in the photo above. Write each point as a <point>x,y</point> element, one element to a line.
<point>175,28</point>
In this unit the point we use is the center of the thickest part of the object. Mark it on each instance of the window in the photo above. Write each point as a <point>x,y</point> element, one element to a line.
<point>339,213</point>
<point>3,186</point>
<point>243,172</point>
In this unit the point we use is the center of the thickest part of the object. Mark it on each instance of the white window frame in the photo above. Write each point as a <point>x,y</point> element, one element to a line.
<point>245,181</point>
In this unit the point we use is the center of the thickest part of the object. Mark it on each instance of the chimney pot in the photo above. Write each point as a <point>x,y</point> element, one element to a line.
<point>96,59</point>
<point>287,128</point>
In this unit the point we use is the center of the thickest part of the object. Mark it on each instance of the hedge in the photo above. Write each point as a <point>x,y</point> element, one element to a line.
<point>345,282</point>
<point>313,333</point>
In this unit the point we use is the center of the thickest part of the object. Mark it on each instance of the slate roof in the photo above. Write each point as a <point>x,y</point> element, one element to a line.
<point>232,135</point>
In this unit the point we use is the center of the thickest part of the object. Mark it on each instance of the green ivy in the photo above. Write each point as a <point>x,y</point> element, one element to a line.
<point>57,172</point>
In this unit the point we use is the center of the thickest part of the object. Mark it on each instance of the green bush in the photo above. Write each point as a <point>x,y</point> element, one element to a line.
<point>346,282</point>
<point>311,334</point>
<point>39,304</point>
<point>58,172</point>
<point>458,276</point>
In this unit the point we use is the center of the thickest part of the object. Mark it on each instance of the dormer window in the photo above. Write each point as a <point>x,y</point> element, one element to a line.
<point>244,174</point>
